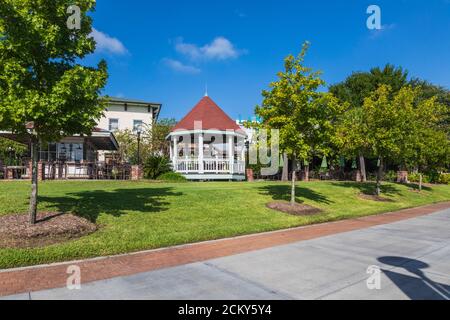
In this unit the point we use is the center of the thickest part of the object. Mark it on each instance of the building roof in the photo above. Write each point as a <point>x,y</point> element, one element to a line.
<point>133,101</point>
<point>211,116</point>
<point>138,103</point>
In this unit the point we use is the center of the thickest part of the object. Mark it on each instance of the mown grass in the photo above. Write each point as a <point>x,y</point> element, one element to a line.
<point>142,215</point>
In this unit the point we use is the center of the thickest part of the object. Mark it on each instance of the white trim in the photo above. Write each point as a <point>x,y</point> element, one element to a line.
<point>186,132</point>
<point>195,176</point>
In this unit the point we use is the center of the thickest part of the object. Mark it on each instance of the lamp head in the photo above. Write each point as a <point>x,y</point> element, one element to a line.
<point>30,127</point>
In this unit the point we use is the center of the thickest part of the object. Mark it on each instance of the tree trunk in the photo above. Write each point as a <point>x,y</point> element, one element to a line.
<point>379,174</point>
<point>420,182</point>
<point>285,174</point>
<point>362,165</point>
<point>34,181</point>
<point>307,173</point>
<point>294,171</point>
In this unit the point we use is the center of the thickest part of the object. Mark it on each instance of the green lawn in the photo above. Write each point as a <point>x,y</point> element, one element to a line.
<point>143,215</point>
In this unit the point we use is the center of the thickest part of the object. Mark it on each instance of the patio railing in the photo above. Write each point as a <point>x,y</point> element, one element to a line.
<point>218,166</point>
<point>56,170</point>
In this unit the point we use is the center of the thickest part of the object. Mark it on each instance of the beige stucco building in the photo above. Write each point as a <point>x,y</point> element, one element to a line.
<point>122,114</point>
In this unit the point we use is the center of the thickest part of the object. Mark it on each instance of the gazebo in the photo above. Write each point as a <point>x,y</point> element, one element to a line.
<point>208,145</point>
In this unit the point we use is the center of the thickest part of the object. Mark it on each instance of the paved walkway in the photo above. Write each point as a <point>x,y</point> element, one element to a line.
<point>329,261</point>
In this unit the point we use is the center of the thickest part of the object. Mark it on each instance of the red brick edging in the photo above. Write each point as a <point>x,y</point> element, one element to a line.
<point>54,276</point>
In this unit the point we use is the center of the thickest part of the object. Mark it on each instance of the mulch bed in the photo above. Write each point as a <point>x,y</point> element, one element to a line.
<point>374,197</point>
<point>296,209</point>
<point>16,231</point>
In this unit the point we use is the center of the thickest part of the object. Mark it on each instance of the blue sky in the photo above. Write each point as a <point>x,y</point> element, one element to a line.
<point>167,51</point>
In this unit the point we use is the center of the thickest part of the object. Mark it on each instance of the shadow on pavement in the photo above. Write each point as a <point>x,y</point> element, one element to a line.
<point>419,286</point>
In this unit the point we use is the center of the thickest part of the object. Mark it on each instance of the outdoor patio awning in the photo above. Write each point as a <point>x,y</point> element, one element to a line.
<point>102,139</point>
<point>15,137</point>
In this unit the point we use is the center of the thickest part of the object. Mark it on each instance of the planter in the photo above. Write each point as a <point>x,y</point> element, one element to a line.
<point>402,177</point>
<point>249,173</point>
<point>137,173</point>
<point>356,176</point>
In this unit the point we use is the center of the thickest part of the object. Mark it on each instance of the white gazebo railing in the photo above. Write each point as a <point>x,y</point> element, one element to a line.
<point>210,166</point>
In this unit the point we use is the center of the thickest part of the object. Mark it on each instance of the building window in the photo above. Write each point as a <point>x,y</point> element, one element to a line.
<point>113,124</point>
<point>70,152</point>
<point>137,125</point>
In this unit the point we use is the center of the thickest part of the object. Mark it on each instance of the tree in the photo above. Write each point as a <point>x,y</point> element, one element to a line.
<point>153,141</point>
<point>10,150</point>
<point>429,90</point>
<point>303,116</point>
<point>42,83</point>
<point>424,142</point>
<point>354,90</point>
<point>128,146</point>
<point>158,134</point>
<point>404,128</point>
<point>350,137</point>
<point>382,126</point>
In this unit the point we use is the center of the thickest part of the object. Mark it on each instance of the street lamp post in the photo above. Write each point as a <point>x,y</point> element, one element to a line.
<point>139,147</point>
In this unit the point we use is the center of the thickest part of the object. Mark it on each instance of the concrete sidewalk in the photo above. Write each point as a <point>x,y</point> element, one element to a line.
<point>414,256</point>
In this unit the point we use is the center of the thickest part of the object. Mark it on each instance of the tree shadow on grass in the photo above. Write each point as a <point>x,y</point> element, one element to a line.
<point>369,188</point>
<point>283,192</point>
<point>415,187</point>
<point>90,204</point>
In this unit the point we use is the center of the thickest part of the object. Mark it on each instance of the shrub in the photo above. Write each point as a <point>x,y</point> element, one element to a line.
<point>415,177</point>
<point>444,178</point>
<point>172,177</point>
<point>156,165</point>
<point>433,177</point>
<point>390,176</point>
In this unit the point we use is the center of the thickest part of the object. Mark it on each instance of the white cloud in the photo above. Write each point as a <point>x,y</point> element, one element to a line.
<point>108,44</point>
<point>178,66</point>
<point>219,49</point>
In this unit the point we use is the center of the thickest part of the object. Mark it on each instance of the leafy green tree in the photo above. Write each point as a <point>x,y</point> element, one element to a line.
<point>351,138</point>
<point>429,90</point>
<point>404,128</point>
<point>158,134</point>
<point>153,141</point>
<point>128,146</point>
<point>354,90</point>
<point>42,82</point>
<point>424,142</point>
<point>9,147</point>
<point>303,116</point>
<point>381,126</point>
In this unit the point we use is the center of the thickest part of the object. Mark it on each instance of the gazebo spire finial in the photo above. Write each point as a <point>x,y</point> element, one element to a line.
<point>206,90</point>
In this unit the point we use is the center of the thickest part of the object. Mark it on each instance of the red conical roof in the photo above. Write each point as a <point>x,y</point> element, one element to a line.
<point>211,116</point>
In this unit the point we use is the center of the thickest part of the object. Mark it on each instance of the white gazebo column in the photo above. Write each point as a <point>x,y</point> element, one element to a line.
<point>231,152</point>
<point>175,153</point>
<point>201,168</point>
